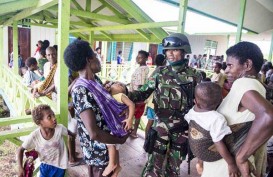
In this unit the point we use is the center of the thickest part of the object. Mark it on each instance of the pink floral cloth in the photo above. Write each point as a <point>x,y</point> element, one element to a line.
<point>139,77</point>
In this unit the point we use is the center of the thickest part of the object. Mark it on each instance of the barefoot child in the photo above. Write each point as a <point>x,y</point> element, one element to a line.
<point>207,128</point>
<point>47,140</point>
<point>118,90</point>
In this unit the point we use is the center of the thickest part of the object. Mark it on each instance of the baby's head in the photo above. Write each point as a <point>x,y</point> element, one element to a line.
<point>208,96</point>
<point>43,115</point>
<point>118,87</point>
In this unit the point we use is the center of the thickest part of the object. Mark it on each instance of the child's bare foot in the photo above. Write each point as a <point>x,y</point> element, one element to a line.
<point>199,168</point>
<point>109,169</point>
<point>116,171</point>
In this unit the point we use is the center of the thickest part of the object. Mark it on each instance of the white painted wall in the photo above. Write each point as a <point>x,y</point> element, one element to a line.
<point>261,40</point>
<point>41,33</point>
<point>198,43</point>
<point>137,47</point>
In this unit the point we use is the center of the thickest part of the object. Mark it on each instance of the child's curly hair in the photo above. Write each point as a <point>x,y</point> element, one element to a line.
<point>37,113</point>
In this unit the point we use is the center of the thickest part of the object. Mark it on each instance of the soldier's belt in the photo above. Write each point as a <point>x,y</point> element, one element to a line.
<point>170,112</point>
<point>180,128</point>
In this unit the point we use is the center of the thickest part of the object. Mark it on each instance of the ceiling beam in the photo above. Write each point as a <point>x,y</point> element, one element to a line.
<point>140,16</point>
<point>143,34</point>
<point>98,9</point>
<point>6,1</point>
<point>95,16</point>
<point>128,38</point>
<point>38,24</point>
<point>79,7</point>
<point>83,36</point>
<point>116,12</point>
<point>80,23</point>
<point>129,26</point>
<point>55,21</point>
<point>16,6</point>
<point>49,14</point>
<point>41,5</point>
<point>88,5</point>
<point>109,36</point>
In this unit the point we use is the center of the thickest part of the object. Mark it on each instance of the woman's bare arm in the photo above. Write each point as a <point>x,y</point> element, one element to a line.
<point>131,106</point>
<point>261,129</point>
<point>95,133</point>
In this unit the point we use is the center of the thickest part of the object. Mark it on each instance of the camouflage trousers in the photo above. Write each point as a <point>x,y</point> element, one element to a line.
<point>168,155</point>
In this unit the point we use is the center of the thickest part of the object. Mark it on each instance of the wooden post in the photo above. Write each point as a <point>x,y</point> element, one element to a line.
<point>91,39</point>
<point>270,58</point>
<point>63,41</point>
<point>15,47</point>
<point>182,16</point>
<point>1,47</point>
<point>241,21</point>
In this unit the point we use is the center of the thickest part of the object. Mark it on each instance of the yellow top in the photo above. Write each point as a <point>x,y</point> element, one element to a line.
<point>118,96</point>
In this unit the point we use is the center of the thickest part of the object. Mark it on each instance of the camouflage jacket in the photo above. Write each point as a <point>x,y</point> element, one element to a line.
<point>167,92</point>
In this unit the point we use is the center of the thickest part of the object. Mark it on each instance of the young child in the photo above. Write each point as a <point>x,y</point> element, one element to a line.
<point>139,78</point>
<point>217,76</point>
<point>208,127</point>
<point>30,77</point>
<point>38,49</point>
<point>47,140</point>
<point>119,91</point>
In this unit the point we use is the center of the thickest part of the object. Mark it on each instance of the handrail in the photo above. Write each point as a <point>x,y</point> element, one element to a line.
<point>18,94</point>
<point>119,72</point>
<point>19,99</point>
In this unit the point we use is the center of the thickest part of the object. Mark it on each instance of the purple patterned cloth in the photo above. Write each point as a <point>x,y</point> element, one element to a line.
<point>110,108</point>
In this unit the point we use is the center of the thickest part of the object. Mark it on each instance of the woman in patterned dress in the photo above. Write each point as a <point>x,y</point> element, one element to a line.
<point>92,128</point>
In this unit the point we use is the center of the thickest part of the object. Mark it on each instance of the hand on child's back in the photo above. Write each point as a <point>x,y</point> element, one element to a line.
<point>128,123</point>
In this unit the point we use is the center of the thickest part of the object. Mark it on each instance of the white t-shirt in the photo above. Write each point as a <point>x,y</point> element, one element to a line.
<point>192,61</point>
<point>46,69</point>
<point>30,76</point>
<point>211,121</point>
<point>52,152</point>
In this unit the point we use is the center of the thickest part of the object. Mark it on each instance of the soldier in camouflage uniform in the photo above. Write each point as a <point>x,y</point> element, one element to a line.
<point>170,104</point>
